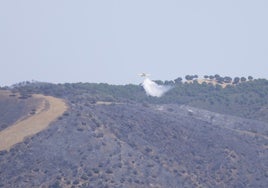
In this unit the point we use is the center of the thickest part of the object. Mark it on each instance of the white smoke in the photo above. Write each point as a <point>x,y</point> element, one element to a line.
<point>153,89</point>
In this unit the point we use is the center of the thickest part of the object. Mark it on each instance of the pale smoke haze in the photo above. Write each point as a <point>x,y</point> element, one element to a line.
<point>153,89</point>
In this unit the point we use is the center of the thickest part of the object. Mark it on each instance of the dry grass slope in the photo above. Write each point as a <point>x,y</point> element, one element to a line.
<point>48,111</point>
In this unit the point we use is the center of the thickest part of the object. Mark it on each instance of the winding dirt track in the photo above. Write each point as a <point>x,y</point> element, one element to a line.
<point>50,109</point>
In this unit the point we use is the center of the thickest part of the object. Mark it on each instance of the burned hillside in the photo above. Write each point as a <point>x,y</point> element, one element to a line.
<point>116,136</point>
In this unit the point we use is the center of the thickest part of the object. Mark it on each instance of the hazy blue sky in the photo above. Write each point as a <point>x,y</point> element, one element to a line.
<point>114,40</point>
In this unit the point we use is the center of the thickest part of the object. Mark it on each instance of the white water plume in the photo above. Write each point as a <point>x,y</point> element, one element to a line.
<point>153,89</point>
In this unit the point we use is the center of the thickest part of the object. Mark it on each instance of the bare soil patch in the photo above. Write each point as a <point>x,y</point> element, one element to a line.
<point>213,82</point>
<point>49,109</point>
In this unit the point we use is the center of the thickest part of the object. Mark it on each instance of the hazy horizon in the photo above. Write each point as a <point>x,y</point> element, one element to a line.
<point>113,41</point>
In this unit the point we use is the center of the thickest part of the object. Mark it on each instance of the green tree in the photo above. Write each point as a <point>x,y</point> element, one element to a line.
<point>243,79</point>
<point>236,80</point>
<point>178,80</point>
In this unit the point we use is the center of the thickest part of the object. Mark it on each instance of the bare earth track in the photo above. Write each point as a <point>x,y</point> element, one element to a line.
<point>50,109</point>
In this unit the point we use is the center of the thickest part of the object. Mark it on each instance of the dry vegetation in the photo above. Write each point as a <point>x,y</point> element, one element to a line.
<point>49,109</point>
<point>116,136</point>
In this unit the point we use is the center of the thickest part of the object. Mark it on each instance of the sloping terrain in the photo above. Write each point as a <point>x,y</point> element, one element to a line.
<point>131,144</point>
<point>47,111</point>
<point>13,107</point>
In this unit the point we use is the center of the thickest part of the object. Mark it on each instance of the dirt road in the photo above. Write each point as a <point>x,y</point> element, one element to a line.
<point>49,110</point>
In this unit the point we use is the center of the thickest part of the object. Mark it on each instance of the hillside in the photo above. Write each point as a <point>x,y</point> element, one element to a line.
<point>197,135</point>
<point>10,101</point>
<point>47,110</point>
<point>246,99</point>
